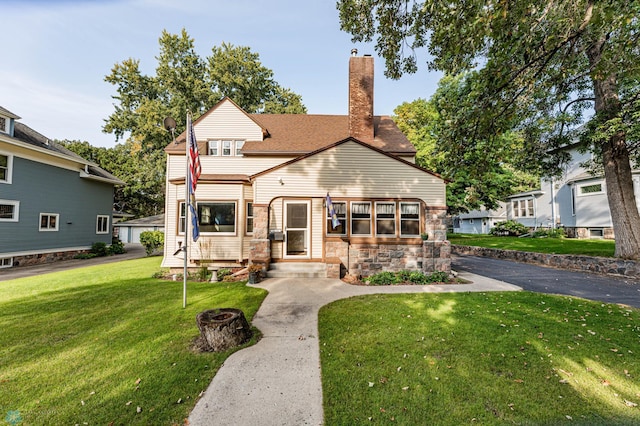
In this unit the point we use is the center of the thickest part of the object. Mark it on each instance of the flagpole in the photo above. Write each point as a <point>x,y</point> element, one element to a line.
<point>187,210</point>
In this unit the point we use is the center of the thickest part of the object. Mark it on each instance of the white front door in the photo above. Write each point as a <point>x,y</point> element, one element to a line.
<point>296,229</point>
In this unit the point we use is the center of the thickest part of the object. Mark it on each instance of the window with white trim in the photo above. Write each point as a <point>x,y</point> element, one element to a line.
<point>49,221</point>
<point>213,147</point>
<point>9,210</point>
<point>573,201</point>
<point>361,218</point>
<point>340,208</point>
<point>6,262</point>
<point>385,218</point>
<point>6,164</point>
<point>102,224</point>
<point>249,224</point>
<point>225,147</point>
<point>591,189</point>
<point>239,145</point>
<point>181,218</point>
<point>3,125</point>
<point>523,208</point>
<point>217,217</point>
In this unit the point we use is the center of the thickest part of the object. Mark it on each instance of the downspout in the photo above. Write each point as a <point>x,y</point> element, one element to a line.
<point>553,205</point>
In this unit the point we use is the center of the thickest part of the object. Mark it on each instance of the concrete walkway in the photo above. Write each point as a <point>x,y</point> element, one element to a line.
<point>277,381</point>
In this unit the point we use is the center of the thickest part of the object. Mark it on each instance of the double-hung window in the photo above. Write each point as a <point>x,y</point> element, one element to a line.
<point>9,210</point>
<point>409,219</point>
<point>49,221</point>
<point>102,224</point>
<point>225,147</point>
<point>523,208</point>
<point>6,162</point>
<point>249,224</point>
<point>213,148</point>
<point>340,208</point>
<point>182,218</point>
<point>239,145</point>
<point>361,218</point>
<point>385,219</point>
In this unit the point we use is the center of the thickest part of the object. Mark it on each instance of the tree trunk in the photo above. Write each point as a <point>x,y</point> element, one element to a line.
<point>615,158</point>
<point>224,328</point>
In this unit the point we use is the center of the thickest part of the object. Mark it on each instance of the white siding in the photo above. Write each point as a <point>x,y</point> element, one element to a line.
<point>227,121</point>
<point>352,170</point>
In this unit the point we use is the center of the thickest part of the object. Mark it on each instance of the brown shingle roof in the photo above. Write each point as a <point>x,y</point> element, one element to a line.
<point>297,134</point>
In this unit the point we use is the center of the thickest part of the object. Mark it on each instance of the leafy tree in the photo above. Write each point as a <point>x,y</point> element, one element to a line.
<point>434,128</point>
<point>183,81</point>
<point>539,67</point>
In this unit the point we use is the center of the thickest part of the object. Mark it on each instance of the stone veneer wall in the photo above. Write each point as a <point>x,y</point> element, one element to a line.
<point>600,265</point>
<point>369,259</point>
<point>38,259</point>
<point>260,246</point>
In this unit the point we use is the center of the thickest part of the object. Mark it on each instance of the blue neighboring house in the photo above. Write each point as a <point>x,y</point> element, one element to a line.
<point>53,203</point>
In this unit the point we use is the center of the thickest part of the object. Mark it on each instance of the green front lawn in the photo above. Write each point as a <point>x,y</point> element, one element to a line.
<point>604,248</point>
<point>494,358</point>
<point>107,345</point>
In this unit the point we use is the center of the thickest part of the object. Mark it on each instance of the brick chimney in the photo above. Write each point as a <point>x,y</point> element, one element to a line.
<point>361,97</point>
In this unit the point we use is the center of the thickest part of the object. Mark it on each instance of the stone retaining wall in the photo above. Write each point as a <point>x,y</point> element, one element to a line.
<point>599,265</point>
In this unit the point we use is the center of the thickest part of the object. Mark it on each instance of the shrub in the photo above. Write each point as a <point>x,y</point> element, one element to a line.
<point>548,233</point>
<point>117,247</point>
<point>438,277</point>
<point>99,249</point>
<point>383,278</point>
<point>509,228</point>
<point>152,241</point>
<point>414,277</point>
<point>417,277</point>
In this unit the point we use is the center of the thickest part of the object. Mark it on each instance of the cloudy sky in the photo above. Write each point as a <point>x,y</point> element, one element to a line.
<point>56,53</point>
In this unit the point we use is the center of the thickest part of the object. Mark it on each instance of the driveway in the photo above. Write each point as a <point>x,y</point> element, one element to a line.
<point>134,251</point>
<point>603,288</point>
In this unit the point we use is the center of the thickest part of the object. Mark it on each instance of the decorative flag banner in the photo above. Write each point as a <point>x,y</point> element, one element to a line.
<point>195,169</point>
<point>332,213</point>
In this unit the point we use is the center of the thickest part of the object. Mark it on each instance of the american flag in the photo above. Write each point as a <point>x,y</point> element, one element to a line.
<point>194,157</point>
<point>195,168</point>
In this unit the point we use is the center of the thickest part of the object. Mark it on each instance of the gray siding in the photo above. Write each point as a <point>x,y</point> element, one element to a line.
<point>42,188</point>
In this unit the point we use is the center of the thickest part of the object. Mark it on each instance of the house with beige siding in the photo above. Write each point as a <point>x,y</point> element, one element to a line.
<point>270,181</point>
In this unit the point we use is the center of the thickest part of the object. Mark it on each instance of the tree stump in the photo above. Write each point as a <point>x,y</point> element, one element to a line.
<point>223,328</point>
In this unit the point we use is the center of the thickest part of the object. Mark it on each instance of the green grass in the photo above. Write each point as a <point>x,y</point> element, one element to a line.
<point>91,345</point>
<point>494,358</point>
<point>594,247</point>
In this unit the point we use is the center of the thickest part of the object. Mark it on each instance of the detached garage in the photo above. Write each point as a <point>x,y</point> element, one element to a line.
<point>129,231</point>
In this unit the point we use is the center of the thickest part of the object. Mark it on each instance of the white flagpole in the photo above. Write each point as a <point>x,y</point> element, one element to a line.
<point>187,211</point>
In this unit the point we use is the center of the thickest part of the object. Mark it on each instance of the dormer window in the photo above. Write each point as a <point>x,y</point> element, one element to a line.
<point>225,147</point>
<point>3,124</point>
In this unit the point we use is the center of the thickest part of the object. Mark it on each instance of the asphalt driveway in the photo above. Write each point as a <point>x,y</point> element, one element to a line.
<point>604,288</point>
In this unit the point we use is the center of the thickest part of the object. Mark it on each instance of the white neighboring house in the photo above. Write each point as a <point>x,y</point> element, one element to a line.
<point>479,221</point>
<point>130,230</point>
<point>576,202</point>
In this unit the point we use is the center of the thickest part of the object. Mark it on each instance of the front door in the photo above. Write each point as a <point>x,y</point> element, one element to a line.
<point>296,229</point>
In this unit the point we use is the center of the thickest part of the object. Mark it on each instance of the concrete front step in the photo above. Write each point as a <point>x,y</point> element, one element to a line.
<point>297,270</point>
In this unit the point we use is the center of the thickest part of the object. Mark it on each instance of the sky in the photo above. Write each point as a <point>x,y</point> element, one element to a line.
<point>56,53</point>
